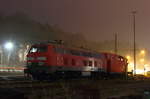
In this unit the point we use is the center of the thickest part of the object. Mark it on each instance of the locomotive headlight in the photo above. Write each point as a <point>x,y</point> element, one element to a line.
<point>30,58</point>
<point>41,58</point>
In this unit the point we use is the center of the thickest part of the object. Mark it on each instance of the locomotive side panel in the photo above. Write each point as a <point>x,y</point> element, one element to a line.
<point>49,60</point>
<point>116,64</point>
<point>77,60</point>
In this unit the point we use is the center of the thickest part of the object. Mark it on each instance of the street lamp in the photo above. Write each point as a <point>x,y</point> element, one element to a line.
<point>134,52</point>
<point>142,60</point>
<point>9,46</point>
<point>128,57</point>
<point>142,52</point>
<point>1,56</point>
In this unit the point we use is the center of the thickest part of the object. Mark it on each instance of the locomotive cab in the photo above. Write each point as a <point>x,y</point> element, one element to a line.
<point>37,59</point>
<point>37,55</point>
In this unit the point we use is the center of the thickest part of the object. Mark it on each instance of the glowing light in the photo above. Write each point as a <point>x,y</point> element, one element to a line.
<point>147,68</point>
<point>128,57</point>
<point>142,60</point>
<point>9,45</point>
<point>146,65</point>
<point>130,66</point>
<point>142,52</point>
<point>140,71</point>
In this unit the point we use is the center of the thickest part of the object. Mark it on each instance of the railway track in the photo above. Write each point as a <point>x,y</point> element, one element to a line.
<point>100,88</point>
<point>80,87</point>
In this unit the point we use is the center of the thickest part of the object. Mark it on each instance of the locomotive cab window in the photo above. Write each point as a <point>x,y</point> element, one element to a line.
<point>33,49</point>
<point>120,58</point>
<point>38,49</point>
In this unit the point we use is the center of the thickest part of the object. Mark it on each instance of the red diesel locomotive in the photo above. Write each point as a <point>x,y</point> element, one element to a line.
<point>47,60</point>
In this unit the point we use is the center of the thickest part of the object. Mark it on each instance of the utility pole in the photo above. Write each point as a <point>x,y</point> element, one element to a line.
<point>134,42</point>
<point>116,41</point>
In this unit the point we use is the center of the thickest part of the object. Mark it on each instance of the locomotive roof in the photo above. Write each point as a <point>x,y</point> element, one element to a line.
<point>61,45</point>
<point>67,47</point>
<point>113,54</point>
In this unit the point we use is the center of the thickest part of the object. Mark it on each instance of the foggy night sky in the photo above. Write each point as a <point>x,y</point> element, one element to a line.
<point>96,19</point>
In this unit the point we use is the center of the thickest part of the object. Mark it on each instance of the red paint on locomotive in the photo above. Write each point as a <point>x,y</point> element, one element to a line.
<point>49,58</point>
<point>115,63</point>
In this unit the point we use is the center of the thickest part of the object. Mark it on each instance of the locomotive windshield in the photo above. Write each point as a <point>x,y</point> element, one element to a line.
<point>38,49</point>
